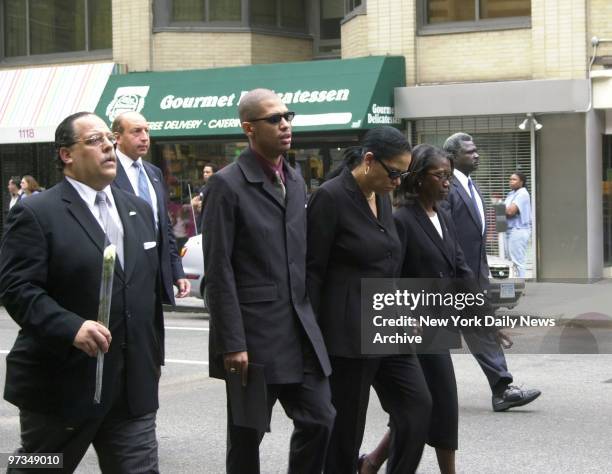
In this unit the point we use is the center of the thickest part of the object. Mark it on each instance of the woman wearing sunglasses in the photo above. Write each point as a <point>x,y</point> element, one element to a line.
<point>430,251</point>
<point>351,235</point>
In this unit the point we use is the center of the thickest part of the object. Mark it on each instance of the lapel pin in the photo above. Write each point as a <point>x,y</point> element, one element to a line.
<point>132,213</point>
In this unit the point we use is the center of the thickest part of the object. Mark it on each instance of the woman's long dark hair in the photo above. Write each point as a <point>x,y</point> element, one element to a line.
<point>384,142</point>
<point>424,157</point>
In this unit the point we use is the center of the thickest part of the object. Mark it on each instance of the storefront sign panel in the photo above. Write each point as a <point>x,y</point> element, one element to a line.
<point>326,95</point>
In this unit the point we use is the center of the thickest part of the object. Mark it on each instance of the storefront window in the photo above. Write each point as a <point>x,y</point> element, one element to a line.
<point>182,165</point>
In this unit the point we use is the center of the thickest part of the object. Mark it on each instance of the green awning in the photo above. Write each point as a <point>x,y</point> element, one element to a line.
<point>332,95</point>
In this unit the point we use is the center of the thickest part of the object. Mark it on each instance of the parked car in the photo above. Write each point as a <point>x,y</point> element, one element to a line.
<point>193,265</point>
<point>505,287</point>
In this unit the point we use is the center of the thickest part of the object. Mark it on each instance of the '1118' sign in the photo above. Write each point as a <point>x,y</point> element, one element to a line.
<point>26,133</point>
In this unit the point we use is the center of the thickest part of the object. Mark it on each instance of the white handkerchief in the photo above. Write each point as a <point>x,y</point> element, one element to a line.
<point>149,245</point>
<point>132,213</point>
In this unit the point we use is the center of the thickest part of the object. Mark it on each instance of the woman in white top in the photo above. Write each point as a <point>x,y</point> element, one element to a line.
<point>518,213</point>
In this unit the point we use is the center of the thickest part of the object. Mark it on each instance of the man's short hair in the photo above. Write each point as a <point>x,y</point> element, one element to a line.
<point>211,166</point>
<point>117,125</point>
<point>16,180</point>
<point>250,103</point>
<point>65,135</point>
<point>452,145</point>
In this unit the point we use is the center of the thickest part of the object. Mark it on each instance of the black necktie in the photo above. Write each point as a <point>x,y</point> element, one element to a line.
<point>474,201</point>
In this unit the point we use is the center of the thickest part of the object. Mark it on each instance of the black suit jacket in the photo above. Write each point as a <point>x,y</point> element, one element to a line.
<point>345,244</point>
<point>469,230</point>
<point>427,256</point>
<point>50,271</point>
<point>255,266</point>
<point>171,266</point>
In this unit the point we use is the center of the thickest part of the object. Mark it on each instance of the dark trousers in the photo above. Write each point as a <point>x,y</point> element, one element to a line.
<point>123,444</point>
<point>490,356</point>
<point>403,394</point>
<point>440,375</point>
<point>309,406</point>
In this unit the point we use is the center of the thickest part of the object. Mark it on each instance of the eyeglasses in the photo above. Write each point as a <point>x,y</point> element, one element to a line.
<point>275,119</point>
<point>442,176</point>
<point>393,173</point>
<point>96,140</point>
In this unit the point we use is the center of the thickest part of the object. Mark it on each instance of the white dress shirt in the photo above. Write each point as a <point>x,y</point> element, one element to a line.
<point>463,179</point>
<point>132,174</point>
<point>88,195</point>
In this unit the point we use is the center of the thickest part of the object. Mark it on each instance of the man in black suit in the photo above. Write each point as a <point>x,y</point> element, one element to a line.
<point>144,179</point>
<point>255,259</point>
<point>466,206</point>
<point>50,272</point>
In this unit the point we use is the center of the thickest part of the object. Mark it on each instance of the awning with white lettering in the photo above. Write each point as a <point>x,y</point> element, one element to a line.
<point>33,101</point>
<point>331,95</point>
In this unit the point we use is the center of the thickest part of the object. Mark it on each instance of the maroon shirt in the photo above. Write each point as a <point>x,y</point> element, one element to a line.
<point>269,168</point>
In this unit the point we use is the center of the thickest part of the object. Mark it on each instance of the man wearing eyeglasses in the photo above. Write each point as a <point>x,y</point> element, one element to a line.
<point>144,179</point>
<point>50,271</point>
<point>466,207</point>
<point>254,259</point>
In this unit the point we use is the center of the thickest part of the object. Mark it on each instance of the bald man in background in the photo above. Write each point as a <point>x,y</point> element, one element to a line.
<point>144,179</point>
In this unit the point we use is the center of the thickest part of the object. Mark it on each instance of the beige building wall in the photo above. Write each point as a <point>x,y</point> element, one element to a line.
<point>388,28</point>
<point>555,47</point>
<point>559,39</point>
<point>136,46</point>
<point>175,51</point>
<point>132,20</point>
<point>473,57</point>
<point>600,25</point>
<point>279,49</point>
<point>354,34</point>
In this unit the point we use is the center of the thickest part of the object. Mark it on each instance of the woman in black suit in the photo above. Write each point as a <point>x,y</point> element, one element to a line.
<point>351,235</point>
<point>430,251</point>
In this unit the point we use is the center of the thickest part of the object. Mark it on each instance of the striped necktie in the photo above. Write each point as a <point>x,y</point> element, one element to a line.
<point>112,232</point>
<point>278,182</point>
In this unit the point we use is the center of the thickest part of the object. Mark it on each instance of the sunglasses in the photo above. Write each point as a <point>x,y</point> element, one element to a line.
<point>393,173</point>
<point>275,119</point>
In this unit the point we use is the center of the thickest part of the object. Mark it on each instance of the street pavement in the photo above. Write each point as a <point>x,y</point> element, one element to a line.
<point>568,429</point>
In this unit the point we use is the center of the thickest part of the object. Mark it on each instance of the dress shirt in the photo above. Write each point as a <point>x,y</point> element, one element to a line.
<point>88,195</point>
<point>435,220</point>
<point>132,174</point>
<point>463,179</point>
<point>14,200</point>
<point>270,169</point>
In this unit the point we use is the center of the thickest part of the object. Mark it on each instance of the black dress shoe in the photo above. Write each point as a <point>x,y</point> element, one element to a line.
<point>514,396</point>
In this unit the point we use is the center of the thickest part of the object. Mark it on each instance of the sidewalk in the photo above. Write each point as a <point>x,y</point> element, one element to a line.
<point>566,302</point>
